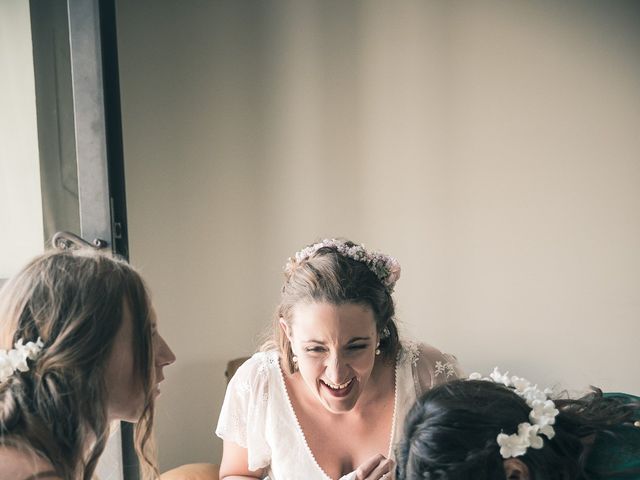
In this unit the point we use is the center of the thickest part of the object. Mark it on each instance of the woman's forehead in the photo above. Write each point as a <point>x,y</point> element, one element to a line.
<point>324,319</point>
<point>129,311</point>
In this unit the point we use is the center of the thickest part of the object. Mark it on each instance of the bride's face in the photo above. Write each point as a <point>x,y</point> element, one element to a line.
<point>335,346</point>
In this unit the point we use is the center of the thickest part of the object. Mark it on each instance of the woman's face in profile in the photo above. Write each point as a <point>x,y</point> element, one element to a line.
<point>335,346</point>
<point>124,385</point>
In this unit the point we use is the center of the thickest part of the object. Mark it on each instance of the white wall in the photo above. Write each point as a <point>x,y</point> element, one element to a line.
<point>492,147</point>
<point>21,235</point>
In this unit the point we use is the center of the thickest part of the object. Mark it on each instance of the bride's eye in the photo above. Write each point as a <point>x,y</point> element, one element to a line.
<point>357,348</point>
<point>314,349</point>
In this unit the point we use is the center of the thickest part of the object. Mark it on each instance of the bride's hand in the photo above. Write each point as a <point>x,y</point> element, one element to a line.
<point>377,467</point>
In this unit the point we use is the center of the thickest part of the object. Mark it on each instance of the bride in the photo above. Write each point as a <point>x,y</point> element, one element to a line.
<point>327,396</point>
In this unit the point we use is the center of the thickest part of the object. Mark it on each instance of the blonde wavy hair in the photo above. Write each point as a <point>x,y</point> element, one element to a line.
<point>74,301</point>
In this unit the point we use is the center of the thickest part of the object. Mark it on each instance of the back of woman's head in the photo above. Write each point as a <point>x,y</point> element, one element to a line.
<point>323,273</point>
<point>74,302</point>
<point>451,434</point>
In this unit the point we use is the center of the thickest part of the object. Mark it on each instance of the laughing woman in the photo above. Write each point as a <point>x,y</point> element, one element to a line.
<point>327,397</point>
<point>80,349</point>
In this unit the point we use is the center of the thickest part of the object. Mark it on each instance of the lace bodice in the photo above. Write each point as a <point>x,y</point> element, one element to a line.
<point>257,413</point>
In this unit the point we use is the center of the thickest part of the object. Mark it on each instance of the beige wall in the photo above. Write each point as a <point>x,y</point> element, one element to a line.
<point>21,235</point>
<point>493,147</point>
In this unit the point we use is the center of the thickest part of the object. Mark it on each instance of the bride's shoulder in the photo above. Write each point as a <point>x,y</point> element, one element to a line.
<point>430,364</point>
<point>263,361</point>
<point>24,464</point>
<point>259,368</point>
<point>412,351</point>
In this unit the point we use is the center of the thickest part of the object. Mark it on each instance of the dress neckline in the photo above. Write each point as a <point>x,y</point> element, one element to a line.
<point>304,437</point>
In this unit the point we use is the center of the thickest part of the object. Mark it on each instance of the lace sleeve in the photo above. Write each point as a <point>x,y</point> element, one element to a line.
<point>432,367</point>
<point>244,410</point>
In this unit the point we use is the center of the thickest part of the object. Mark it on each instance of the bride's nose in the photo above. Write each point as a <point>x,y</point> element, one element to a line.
<point>336,369</point>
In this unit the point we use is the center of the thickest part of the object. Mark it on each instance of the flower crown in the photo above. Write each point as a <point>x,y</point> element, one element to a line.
<point>541,418</point>
<point>386,268</point>
<point>16,358</point>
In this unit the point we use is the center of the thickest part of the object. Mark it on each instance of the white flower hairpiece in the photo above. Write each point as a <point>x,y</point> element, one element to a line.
<point>16,358</point>
<point>541,418</point>
<point>386,268</point>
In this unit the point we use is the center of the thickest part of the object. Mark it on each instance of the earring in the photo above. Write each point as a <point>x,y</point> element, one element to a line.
<point>294,359</point>
<point>378,349</point>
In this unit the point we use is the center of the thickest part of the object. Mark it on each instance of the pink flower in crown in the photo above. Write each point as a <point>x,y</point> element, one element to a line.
<point>394,271</point>
<point>386,268</point>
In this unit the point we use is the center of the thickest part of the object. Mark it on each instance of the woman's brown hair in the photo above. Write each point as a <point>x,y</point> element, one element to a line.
<point>73,300</point>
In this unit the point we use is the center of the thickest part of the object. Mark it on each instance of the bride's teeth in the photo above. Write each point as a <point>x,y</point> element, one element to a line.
<point>338,387</point>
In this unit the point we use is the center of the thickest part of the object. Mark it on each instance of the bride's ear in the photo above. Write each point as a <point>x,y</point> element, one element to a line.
<point>515,469</point>
<point>285,328</point>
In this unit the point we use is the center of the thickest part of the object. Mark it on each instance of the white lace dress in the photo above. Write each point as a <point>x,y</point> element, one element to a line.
<point>257,413</point>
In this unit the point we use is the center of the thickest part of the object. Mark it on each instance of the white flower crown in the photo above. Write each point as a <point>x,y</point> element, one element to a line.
<point>16,358</point>
<point>541,418</point>
<point>386,268</point>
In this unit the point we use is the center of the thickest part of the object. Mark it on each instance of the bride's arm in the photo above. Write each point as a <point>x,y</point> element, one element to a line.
<point>242,423</point>
<point>235,464</point>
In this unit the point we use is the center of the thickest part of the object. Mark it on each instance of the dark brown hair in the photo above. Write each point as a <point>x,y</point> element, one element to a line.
<point>450,434</point>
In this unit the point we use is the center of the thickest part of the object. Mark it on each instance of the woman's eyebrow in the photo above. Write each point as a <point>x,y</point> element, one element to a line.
<point>357,339</point>
<point>352,340</point>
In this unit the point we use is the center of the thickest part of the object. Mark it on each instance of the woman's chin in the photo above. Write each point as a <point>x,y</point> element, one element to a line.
<point>339,402</point>
<point>125,417</point>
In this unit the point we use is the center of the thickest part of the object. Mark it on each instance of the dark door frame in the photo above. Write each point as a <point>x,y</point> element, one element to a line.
<point>97,126</point>
<point>99,149</point>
